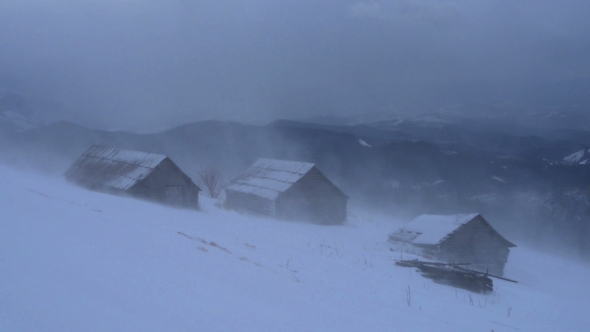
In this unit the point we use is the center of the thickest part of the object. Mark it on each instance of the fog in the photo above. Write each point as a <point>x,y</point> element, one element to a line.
<point>143,65</point>
<point>133,68</point>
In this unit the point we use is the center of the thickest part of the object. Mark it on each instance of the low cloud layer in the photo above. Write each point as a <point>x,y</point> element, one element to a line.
<point>145,64</point>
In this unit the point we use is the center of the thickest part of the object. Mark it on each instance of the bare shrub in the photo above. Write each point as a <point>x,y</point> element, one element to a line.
<point>212,180</point>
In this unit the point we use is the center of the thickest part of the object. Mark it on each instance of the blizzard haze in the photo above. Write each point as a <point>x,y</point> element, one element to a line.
<point>74,260</point>
<point>143,65</point>
<point>409,107</point>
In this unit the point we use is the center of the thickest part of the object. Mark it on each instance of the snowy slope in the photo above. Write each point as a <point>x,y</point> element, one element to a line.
<point>574,157</point>
<point>74,260</point>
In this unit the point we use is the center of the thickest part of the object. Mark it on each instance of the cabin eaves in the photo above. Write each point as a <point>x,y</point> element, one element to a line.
<point>112,167</point>
<point>433,229</point>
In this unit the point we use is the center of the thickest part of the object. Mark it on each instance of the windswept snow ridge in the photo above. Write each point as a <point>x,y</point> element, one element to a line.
<point>363,143</point>
<point>77,260</point>
<point>574,157</point>
<point>499,179</point>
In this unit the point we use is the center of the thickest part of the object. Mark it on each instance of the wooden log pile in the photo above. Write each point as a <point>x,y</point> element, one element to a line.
<point>454,274</point>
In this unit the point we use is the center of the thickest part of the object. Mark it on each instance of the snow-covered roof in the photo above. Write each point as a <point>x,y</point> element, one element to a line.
<point>268,178</point>
<point>113,167</point>
<point>431,229</point>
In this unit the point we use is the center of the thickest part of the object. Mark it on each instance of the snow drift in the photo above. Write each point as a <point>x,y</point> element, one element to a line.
<point>75,260</point>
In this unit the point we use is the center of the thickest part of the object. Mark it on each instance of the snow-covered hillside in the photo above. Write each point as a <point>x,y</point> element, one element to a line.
<point>75,260</point>
<point>576,158</point>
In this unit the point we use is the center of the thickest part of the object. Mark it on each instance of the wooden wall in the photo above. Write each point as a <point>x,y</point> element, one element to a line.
<point>168,184</point>
<point>243,202</point>
<point>476,243</point>
<point>313,198</point>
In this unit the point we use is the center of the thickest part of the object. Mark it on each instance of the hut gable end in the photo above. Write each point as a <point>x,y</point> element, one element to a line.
<point>314,181</point>
<point>428,230</point>
<point>474,232</point>
<point>168,174</point>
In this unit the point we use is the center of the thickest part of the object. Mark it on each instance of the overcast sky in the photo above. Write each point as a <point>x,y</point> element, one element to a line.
<point>144,64</point>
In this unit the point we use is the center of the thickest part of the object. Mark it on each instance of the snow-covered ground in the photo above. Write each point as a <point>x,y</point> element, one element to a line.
<point>575,157</point>
<point>75,260</point>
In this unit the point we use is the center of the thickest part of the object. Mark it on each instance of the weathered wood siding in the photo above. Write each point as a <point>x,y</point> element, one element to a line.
<point>477,243</point>
<point>168,184</point>
<point>313,198</point>
<point>287,190</point>
<point>243,202</point>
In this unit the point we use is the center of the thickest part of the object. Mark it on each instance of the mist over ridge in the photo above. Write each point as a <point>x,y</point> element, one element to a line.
<point>261,164</point>
<point>412,106</point>
<point>143,65</point>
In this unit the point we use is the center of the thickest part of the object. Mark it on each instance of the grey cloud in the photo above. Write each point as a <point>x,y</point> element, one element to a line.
<point>406,12</point>
<point>366,9</point>
<point>145,63</point>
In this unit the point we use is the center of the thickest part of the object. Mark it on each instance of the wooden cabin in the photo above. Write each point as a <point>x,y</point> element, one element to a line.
<point>139,174</point>
<point>287,190</point>
<point>455,239</point>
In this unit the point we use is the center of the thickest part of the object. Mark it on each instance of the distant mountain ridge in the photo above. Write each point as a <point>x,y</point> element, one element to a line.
<point>510,106</point>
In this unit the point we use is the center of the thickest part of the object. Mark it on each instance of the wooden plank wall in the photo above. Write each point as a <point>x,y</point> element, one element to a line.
<point>243,202</point>
<point>157,186</point>
<point>313,198</point>
<point>475,243</point>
